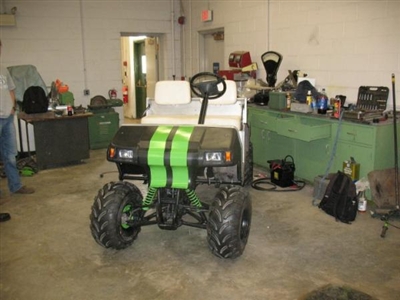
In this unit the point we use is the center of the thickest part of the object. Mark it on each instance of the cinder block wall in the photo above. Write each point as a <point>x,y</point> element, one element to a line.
<point>343,44</point>
<point>78,42</point>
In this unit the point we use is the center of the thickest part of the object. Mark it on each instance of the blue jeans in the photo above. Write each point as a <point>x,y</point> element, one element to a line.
<point>8,151</point>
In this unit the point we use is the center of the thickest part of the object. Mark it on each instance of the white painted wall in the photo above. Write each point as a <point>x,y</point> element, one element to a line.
<point>343,44</point>
<point>78,42</point>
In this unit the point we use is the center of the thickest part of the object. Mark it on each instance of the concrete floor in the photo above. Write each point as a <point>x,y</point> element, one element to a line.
<point>47,251</point>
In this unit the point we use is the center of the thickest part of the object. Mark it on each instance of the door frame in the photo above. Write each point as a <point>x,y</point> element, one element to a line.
<point>127,55</point>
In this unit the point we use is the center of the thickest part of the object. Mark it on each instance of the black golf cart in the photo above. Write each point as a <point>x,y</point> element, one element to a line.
<point>183,142</point>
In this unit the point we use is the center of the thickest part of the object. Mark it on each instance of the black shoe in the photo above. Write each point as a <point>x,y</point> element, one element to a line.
<point>4,217</point>
<point>25,190</point>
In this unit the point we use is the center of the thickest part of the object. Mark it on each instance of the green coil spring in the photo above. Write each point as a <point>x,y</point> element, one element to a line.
<point>149,198</point>
<point>193,198</point>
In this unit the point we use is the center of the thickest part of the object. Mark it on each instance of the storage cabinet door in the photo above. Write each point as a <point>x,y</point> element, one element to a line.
<point>278,146</point>
<point>363,155</point>
<point>312,158</point>
<point>102,128</point>
<point>357,141</point>
<point>268,145</point>
<point>257,138</point>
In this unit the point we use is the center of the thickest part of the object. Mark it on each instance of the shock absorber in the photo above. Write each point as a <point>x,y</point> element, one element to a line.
<point>149,198</point>
<point>193,198</point>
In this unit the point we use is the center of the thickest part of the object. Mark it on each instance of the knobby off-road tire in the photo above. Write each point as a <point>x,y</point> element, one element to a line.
<point>114,204</point>
<point>229,222</point>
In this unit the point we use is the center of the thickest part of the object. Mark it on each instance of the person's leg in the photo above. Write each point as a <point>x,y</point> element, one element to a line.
<point>8,149</point>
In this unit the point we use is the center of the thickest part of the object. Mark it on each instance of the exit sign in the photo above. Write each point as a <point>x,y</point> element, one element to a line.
<point>206,15</point>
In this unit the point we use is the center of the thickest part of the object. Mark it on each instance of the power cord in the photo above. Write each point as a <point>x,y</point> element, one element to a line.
<point>256,184</point>
<point>107,172</point>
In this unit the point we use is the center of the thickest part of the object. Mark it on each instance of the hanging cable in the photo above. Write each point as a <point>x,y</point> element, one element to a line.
<point>328,167</point>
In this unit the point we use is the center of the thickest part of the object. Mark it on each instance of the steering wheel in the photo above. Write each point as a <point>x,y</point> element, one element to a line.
<point>206,84</point>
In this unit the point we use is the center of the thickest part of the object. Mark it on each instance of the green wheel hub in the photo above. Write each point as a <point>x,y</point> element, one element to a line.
<point>126,216</point>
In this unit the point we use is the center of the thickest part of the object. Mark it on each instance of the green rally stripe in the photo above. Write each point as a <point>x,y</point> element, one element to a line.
<point>178,154</point>
<point>155,156</point>
<point>178,157</point>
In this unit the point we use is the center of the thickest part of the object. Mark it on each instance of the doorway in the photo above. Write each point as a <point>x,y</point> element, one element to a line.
<point>140,72</point>
<point>211,50</point>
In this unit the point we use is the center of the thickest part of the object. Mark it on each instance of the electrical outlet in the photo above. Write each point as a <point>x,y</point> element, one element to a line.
<point>86,92</point>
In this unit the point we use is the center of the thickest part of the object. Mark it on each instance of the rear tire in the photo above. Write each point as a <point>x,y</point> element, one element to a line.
<point>229,222</point>
<point>114,205</point>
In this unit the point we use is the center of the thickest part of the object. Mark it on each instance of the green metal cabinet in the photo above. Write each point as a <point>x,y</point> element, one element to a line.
<point>310,139</point>
<point>267,143</point>
<point>102,127</point>
<point>371,145</point>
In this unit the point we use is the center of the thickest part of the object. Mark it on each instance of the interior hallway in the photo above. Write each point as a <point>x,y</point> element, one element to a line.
<point>47,251</point>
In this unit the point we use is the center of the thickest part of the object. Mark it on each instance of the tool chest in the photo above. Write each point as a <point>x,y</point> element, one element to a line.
<point>372,98</point>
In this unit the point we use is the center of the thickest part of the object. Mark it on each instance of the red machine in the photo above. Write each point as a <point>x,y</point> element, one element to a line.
<point>241,66</point>
<point>239,59</point>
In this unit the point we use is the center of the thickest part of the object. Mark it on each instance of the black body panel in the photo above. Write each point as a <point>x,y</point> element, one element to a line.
<point>203,139</point>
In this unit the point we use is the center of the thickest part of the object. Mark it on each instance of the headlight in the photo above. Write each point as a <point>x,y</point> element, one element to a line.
<point>214,156</point>
<point>123,153</point>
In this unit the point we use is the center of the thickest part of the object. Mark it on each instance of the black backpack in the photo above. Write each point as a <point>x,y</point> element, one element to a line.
<point>340,199</point>
<point>35,100</point>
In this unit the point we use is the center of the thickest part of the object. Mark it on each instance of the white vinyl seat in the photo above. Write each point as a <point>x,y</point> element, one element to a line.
<point>170,99</point>
<point>170,92</point>
<point>219,110</point>
<point>173,105</point>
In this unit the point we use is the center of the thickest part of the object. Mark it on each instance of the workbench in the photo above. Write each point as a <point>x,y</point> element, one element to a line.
<point>311,140</point>
<point>59,140</point>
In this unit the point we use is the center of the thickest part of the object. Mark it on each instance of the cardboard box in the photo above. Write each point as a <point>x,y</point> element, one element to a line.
<point>300,107</point>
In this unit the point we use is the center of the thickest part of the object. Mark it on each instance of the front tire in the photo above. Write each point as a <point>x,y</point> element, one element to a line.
<point>229,222</point>
<point>115,205</point>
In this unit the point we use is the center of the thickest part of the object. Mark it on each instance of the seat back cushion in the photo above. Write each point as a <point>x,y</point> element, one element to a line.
<point>171,92</point>
<point>230,94</point>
